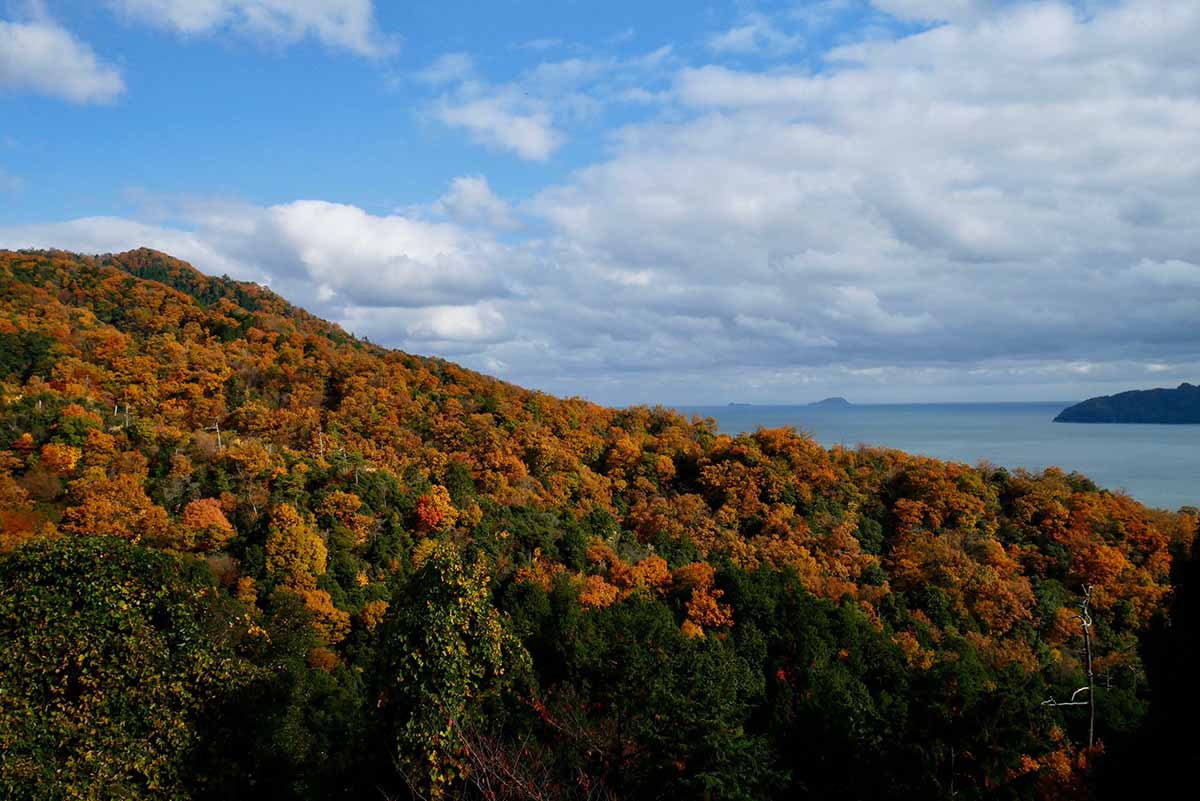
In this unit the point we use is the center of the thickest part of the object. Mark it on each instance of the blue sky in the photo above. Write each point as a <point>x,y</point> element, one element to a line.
<point>648,202</point>
<point>267,119</point>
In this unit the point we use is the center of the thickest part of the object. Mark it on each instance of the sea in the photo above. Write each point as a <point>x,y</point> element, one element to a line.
<point>1158,465</point>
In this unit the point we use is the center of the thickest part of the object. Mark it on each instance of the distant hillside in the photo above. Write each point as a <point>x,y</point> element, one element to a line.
<point>245,554</point>
<point>1174,406</point>
<point>835,403</point>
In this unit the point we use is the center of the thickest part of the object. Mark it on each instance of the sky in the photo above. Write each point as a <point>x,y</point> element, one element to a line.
<point>671,202</point>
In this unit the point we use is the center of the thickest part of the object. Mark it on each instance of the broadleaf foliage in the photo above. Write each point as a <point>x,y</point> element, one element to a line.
<point>437,584</point>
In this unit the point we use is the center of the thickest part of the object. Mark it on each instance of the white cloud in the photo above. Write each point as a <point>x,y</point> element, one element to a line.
<point>362,259</point>
<point>448,68</point>
<point>471,201</point>
<point>441,327</point>
<point>530,115</point>
<point>42,57</point>
<point>756,34</point>
<point>713,86</point>
<point>345,24</point>
<point>506,120</point>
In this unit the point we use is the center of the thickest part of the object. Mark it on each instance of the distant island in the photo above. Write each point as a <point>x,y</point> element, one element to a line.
<point>1175,406</point>
<point>835,402</point>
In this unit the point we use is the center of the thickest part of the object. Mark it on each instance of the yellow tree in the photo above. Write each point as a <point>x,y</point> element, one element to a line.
<point>296,555</point>
<point>295,552</point>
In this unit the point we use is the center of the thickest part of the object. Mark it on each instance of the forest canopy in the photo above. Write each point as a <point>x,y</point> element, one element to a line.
<point>244,554</point>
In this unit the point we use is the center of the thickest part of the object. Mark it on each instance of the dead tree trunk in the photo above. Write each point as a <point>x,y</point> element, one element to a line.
<point>1085,620</point>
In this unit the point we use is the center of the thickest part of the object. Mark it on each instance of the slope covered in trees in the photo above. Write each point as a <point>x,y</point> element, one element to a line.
<point>352,572</point>
<point>1164,406</point>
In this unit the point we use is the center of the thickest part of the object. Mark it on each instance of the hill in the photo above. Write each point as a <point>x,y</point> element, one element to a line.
<point>1179,405</point>
<point>833,403</point>
<point>333,570</point>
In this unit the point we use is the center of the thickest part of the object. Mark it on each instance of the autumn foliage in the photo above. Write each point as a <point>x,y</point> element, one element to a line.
<point>629,602</point>
<point>205,526</point>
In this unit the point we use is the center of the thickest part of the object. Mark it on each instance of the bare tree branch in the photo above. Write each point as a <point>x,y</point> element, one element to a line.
<point>1085,620</point>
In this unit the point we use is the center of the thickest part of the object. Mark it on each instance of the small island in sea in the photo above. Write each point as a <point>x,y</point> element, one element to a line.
<point>833,403</point>
<point>1175,406</point>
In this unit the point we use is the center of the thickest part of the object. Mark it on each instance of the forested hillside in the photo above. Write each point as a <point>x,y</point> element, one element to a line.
<point>1178,406</point>
<point>244,554</point>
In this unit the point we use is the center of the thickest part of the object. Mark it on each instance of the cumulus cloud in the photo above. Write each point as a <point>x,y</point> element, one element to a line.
<point>369,260</point>
<point>471,200</point>
<point>345,24</point>
<point>450,330</point>
<point>505,119</point>
<point>42,57</point>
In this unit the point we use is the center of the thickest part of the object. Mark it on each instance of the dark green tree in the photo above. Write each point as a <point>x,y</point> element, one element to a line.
<point>448,657</point>
<point>112,657</point>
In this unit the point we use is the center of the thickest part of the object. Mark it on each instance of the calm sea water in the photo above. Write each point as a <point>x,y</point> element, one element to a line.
<point>1157,464</point>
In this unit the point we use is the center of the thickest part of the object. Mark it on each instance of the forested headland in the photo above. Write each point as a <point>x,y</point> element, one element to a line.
<point>244,554</point>
<point>1159,406</point>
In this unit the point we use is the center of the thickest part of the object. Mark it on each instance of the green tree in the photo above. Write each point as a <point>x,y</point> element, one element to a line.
<point>111,656</point>
<point>448,655</point>
<point>636,706</point>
